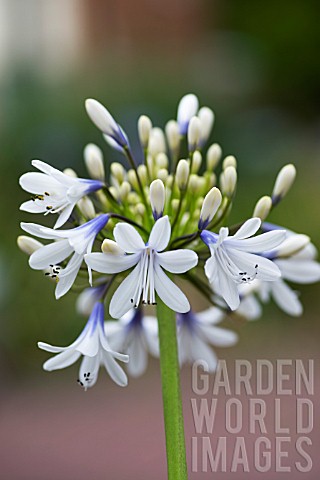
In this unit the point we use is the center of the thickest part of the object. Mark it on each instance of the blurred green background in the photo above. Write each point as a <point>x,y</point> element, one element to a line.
<point>255,63</point>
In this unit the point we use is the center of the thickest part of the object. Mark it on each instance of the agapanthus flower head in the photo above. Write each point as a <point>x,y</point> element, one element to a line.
<point>93,344</point>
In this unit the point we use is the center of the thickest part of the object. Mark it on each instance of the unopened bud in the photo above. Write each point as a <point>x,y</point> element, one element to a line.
<point>118,171</point>
<point>162,160</point>
<point>229,161</point>
<point>292,245</point>
<point>194,133</point>
<point>111,247</point>
<point>187,108</point>
<point>70,172</point>
<point>157,143</point>
<point>143,174</point>
<point>157,198</point>
<point>132,178</point>
<point>105,121</point>
<point>182,174</point>
<point>195,183</point>
<point>124,190</point>
<point>262,208</point>
<point>283,182</point>
<point>144,129</point>
<point>206,117</point>
<point>175,204</point>
<point>213,156</point>
<point>140,209</point>
<point>28,245</point>
<point>228,181</point>
<point>173,136</point>
<point>93,158</point>
<point>211,203</point>
<point>196,161</point>
<point>86,207</point>
<point>163,174</point>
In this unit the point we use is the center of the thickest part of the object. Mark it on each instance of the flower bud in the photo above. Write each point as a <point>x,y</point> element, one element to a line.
<point>173,136</point>
<point>132,178</point>
<point>70,172</point>
<point>143,174</point>
<point>110,246</point>
<point>28,245</point>
<point>93,159</point>
<point>175,204</point>
<point>157,142</point>
<point>283,182</point>
<point>196,161</point>
<point>228,181</point>
<point>206,117</point>
<point>105,121</point>
<point>144,129</point>
<point>118,171</point>
<point>292,245</point>
<point>182,174</point>
<point>157,198</point>
<point>213,156</point>
<point>163,174</point>
<point>162,160</point>
<point>124,190</point>
<point>262,208</point>
<point>195,183</point>
<point>187,108</point>
<point>86,207</point>
<point>193,133</point>
<point>229,161</point>
<point>114,192</point>
<point>140,209</point>
<point>210,205</point>
<point>133,198</point>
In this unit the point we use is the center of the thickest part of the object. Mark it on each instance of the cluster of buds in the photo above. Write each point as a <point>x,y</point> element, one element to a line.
<point>166,214</point>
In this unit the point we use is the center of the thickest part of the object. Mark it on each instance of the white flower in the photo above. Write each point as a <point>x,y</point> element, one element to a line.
<point>92,343</point>
<point>233,260</point>
<point>196,331</point>
<point>76,241</point>
<point>54,191</point>
<point>136,335</point>
<point>301,268</point>
<point>148,277</point>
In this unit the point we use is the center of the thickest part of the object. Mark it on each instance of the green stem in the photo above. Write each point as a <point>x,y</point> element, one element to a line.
<point>171,394</point>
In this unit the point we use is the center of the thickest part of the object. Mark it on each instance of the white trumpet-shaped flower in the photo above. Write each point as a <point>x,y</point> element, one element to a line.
<point>76,241</point>
<point>234,261</point>
<point>54,191</point>
<point>93,344</point>
<point>137,335</point>
<point>149,260</point>
<point>196,331</point>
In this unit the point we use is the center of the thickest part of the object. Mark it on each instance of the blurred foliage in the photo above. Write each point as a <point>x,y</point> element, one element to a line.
<point>256,64</point>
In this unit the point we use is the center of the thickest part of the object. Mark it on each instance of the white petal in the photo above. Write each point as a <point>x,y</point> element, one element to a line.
<point>38,183</point>
<point>89,365</point>
<point>299,271</point>
<point>40,231</point>
<point>228,290</point>
<point>64,216</point>
<point>220,337</point>
<point>110,263</point>
<point>249,228</point>
<point>62,360</point>
<point>32,206</point>
<point>260,243</point>
<point>68,275</point>
<point>50,254</point>
<point>177,261</point>
<point>128,238</point>
<point>138,356</point>
<point>169,293</point>
<point>210,316</point>
<point>51,348</point>
<point>160,234</point>
<point>266,270</point>
<point>115,371</point>
<point>250,308</point>
<point>61,178</point>
<point>211,269</point>
<point>121,300</point>
<point>286,298</point>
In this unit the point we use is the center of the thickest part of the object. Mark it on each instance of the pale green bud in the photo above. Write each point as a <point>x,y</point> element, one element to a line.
<point>196,162</point>
<point>157,198</point>
<point>86,207</point>
<point>213,156</point>
<point>111,247</point>
<point>229,161</point>
<point>173,135</point>
<point>28,245</point>
<point>194,133</point>
<point>206,117</point>
<point>228,181</point>
<point>144,129</point>
<point>283,182</point>
<point>262,208</point>
<point>70,172</point>
<point>182,174</point>
<point>211,203</point>
<point>93,159</point>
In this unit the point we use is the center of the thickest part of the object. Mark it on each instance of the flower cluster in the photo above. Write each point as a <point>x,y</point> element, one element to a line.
<point>139,229</point>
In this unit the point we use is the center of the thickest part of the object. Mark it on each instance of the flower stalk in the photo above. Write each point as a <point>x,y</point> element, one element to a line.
<point>171,393</point>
